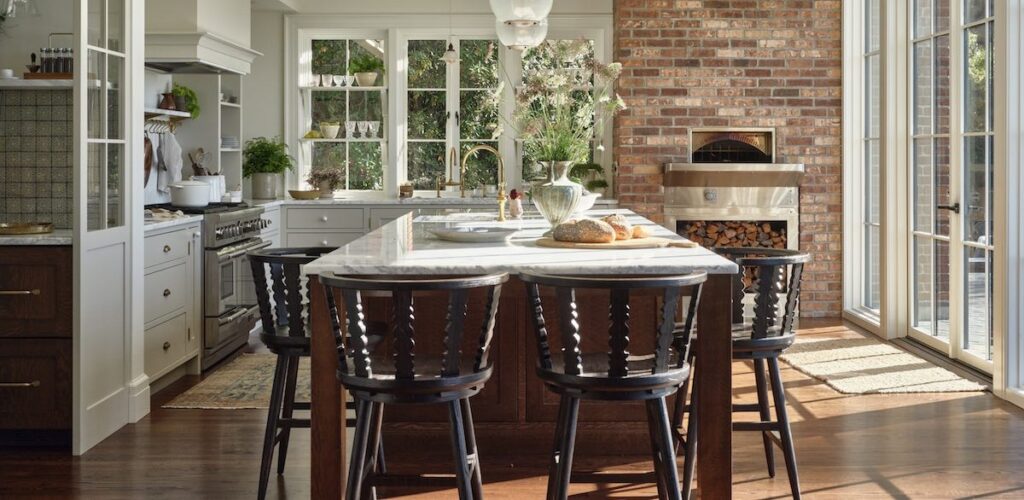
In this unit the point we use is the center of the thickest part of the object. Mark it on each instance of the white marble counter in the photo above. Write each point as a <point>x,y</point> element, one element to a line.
<point>59,237</point>
<point>404,246</point>
<point>152,225</point>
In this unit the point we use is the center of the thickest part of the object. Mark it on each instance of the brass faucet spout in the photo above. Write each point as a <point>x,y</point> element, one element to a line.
<point>502,197</point>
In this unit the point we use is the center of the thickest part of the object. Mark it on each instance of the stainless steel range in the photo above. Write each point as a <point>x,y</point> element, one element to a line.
<point>732,193</point>
<point>229,296</point>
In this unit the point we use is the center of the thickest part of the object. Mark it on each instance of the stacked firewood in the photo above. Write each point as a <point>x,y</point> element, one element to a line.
<point>735,234</point>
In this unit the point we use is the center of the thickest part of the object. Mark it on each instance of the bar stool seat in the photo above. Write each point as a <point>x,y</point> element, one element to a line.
<point>592,381</point>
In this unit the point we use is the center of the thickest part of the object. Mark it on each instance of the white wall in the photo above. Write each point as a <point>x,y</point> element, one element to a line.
<point>263,106</point>
<point>25,35</point>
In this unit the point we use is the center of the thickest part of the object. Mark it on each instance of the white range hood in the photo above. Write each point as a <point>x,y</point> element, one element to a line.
<point>199,36</point>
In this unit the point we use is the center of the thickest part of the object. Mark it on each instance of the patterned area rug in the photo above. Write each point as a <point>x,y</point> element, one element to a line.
<point>869,366</point>
<point>243,383</point>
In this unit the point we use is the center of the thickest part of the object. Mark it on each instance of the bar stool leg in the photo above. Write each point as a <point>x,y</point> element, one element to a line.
<point>273,412</point>
<point>666,449</point>
<point>376,420</point>
<point>458,436</point>
<point>474,453</point>
<point>690,455</point>
<point>357,465</point>
<point>788,450</point>
<point>652,430</point>
<point>558,484</point>
<point>289,407</point>
<point>760,374</point>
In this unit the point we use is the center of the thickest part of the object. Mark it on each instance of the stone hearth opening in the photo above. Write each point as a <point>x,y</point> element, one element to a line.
<point>735,233</point>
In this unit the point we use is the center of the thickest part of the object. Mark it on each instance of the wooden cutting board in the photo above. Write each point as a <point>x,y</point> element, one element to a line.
<point>637,243</point>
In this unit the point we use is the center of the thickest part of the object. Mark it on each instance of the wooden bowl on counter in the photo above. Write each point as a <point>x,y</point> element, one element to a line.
<point>304,195</point>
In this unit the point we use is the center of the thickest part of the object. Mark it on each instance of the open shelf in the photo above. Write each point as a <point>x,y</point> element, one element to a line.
<point>374,139</point>
<point>231,104</point>
<point>341,89</point>
<point>170,113</point>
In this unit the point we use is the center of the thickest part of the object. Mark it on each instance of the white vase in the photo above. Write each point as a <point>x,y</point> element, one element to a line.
<point>264,186</point>
<point>329,131</point>
<point>557,197</point>
<point>366,78</point>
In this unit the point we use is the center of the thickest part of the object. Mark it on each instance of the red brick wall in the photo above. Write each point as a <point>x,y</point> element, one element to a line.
<point>738,63</point>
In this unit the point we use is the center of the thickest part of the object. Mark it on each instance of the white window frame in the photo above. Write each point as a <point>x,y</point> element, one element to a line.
<point>395,30</point>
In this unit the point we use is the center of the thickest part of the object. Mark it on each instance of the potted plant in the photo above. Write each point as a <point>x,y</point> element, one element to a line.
<point>327,180</point>
<point>558,112</point>
<point>366,69</point>
<point>185,99</point>
<point>264,160</point>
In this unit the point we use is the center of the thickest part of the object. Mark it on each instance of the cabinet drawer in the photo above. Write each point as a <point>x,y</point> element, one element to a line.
<point>166,344</point>
<point>325,218</point>
<point>35,384</point>
<point>167,247</point>
<point>321,239</point>
<point>167,291</point>
<point>35,291</point>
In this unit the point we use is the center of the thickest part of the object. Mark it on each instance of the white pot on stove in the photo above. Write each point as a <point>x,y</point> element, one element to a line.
<point>190,194</point>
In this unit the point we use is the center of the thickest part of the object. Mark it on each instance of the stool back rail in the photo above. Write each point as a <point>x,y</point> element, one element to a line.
<point>626,371</point>
<point>406,376</point>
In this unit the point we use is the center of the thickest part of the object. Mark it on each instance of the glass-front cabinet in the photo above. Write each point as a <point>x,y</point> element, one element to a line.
<point>105,109</point>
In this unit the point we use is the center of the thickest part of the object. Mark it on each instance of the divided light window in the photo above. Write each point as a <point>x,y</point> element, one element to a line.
<point>451,109</point>
<point>357,109</point>
<point>871,223</point>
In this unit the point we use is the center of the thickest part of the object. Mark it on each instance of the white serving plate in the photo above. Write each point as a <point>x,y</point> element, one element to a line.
<point>473,234</point>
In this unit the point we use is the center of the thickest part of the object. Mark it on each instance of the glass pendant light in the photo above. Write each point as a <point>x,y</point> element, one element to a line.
<point>519,36</point>
<point>521,12</point>
<point>450,56</point>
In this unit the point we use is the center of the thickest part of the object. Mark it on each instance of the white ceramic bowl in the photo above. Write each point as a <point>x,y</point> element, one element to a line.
<point>587,202</point>
<point>190,194</point>
<point>464,234</point>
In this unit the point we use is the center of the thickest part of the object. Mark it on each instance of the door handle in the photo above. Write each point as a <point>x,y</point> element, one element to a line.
<point>955,208</point>
<point>34,383</point>
<point>34,291</point>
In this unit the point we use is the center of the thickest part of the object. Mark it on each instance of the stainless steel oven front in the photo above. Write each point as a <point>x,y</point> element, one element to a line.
<point>228,279</point>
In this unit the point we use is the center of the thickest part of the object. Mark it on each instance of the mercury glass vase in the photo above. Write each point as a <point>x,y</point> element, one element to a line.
<point>557,197</point>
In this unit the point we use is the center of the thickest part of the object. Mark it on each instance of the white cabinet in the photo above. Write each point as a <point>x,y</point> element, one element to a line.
<point>173,303</point>
<point>272,232</point>
<point>328,225</point>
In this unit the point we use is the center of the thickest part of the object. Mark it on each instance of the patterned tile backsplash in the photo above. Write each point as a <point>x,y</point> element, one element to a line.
<point>36,156</point>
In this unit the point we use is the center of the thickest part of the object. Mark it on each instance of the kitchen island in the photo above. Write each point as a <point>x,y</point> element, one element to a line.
<point>514,409</point>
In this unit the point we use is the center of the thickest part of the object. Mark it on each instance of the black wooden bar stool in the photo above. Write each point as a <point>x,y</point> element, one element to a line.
<point>408,375</point>
<point>769,275</point>
<point>286,334</point>
<point>627,371</point>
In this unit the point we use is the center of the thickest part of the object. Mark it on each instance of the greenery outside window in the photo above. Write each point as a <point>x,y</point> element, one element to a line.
<point>346,120</point>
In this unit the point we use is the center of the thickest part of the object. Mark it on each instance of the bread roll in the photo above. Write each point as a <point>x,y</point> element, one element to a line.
<point>584,231</point>
<point>623,229</point>
<point>640,232</point>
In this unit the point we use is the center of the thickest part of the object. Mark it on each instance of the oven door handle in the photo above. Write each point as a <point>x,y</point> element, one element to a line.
<point>234,254</point>
<point>242,311</point>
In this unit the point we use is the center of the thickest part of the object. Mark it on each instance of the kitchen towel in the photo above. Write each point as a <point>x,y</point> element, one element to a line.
<point>170,163</point>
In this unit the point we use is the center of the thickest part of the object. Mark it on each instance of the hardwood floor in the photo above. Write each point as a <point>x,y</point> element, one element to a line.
<point>918,446</point>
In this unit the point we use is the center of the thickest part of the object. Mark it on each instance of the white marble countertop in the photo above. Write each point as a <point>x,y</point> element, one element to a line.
<point>405,246</point>
<point>59,237</point>
<point>430,201</point>
<point>152,225</point>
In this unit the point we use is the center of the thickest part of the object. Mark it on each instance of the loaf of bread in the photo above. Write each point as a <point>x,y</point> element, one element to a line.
<point>584,231</point>
<point>623,229</point>
<point>640,232</point>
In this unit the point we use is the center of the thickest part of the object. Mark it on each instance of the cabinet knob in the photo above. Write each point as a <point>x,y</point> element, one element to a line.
<point>323,243</point>
<point>196,234</point>
<point>167,345</point>
<point>167,292</point>
<point>167,249</point>
<point>323,219</point>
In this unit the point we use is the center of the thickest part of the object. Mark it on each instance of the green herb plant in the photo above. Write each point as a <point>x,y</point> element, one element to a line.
<point>190,97</point>
<point>266,156</point>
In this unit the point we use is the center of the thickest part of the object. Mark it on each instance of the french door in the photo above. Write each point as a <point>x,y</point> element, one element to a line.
<point>951,175</point>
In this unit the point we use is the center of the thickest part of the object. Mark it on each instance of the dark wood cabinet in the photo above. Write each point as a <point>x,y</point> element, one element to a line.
<point>35,292</point>
<point>35,340</point>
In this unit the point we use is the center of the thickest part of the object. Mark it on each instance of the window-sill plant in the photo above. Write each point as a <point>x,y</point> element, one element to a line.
<point>366,69</point>
<point>185,99</point>
<point>264,160</point>
<point>327,180</point>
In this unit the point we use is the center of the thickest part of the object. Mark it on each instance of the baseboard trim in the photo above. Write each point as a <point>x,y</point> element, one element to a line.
<point>935,358</point>
<point>138,398</point>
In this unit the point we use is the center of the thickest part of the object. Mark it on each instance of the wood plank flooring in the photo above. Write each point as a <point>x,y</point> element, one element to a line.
<point>882,446</point>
